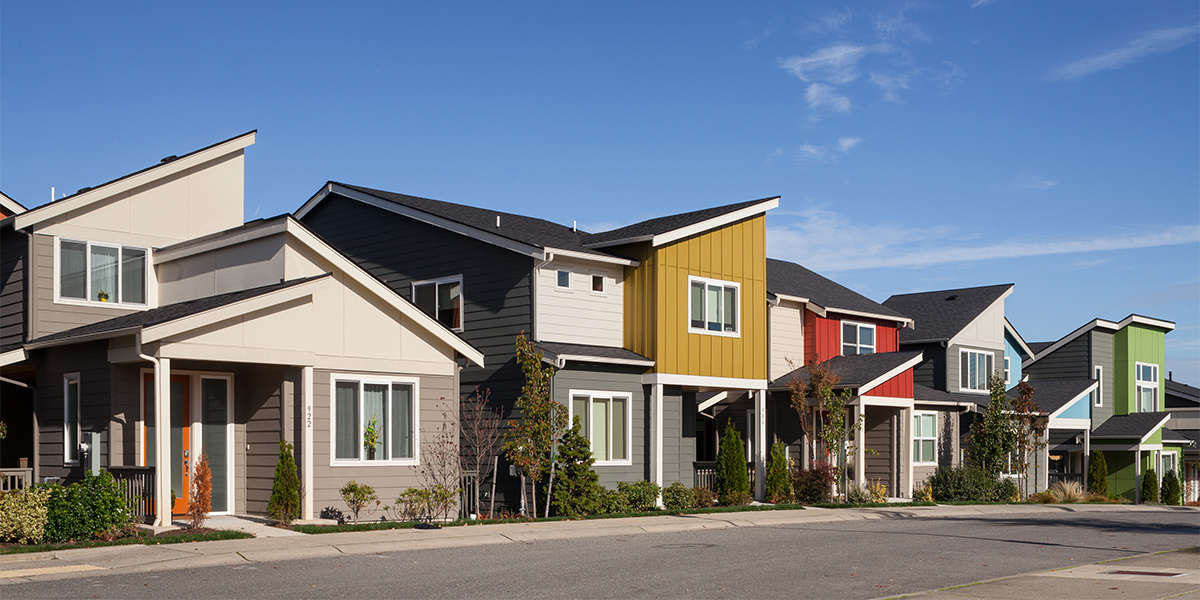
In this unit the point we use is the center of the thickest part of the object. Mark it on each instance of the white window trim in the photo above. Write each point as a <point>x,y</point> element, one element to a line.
<point>67,379</point>
<point>462,298</point>
<point>987,377</point>
<point>1098,371</point>
<point>737,317</point>
<point>1162,460</point>
<point>86,300</point>
<point>593,394</point>
<point>915,437</point>
<point>604,286</point>
<point>1138,383</point>
<point>1007,370</point>
<point>557,286</point>
<point>857,346</point>
<point>362,461</point>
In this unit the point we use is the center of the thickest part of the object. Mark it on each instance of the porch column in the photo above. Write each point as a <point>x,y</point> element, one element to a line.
<point>1087,455</point>
<point>656,435</point>
<point>760,444</point>
<point>906,425</point>
<point>1137,476</point>
<point>306,438</point>
<point>162,441</point>
<point>856,414</point>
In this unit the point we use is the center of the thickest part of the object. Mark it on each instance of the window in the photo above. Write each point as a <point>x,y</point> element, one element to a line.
<point>857,338</point>
<point>71,418</point>
<point>563,281</point>
<point>1007,372</point>
<point>1098,397</point>
<point>924,437</point>
<point>441,299</point>
<point>94,272</point>
<point>606,421</point>
<point>713,306</point>
<point>374,420</point>
<point>974,369</point>
<point>597,283</point>
<point>1147,387</point>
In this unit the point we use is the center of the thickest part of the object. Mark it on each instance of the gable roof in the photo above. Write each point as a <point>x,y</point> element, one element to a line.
<point>558,353</point>
<point>664,230</point>
<point>1178,437</point>
<point>11,206</point>
<point>793,280</point>
<point>863,372</point>
<point>1043,352</point>
<point>1133,425</point>
<point>923,393</point>
<point>1036,347</point>
<point>939,316</point>
<point>1011,331</point>
<point>1052,395</point>
<point>166,167</point>
<point>1181,395</point>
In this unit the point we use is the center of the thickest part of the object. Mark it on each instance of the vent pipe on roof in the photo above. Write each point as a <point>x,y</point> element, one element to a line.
<point>167,159</point>
<point>575,226</point>
<point>52,193</point>
<point>497,221</point>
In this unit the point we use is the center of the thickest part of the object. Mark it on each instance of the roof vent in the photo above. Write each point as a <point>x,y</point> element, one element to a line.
<point>952,297</point>
<point>82,190</point>
<point>167,159</point>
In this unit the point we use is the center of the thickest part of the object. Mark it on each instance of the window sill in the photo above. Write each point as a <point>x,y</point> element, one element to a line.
<point>614,463</point>
<point>728,334</point>
<point>407,462</point>
<point>970,391</point>
<point>73,302</point>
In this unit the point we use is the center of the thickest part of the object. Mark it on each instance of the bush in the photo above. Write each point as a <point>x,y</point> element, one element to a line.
<point>577,487</point>
<point>815,485</point>
<point>857,494</point>
<point>779,479</point>
<point>642,495</point>
<point>200,496</point>
<point>923,493</point>
<point>1067,492</point>
<point>1005,490</point>
<point>358,496</point>
<point>414,504</point>
<point>678,497</point>
<point>737,498</point>
<point>1042,497</point>
<point>965,483</point>
<point>731,475</point>
<point>1170,489</point>
<point>1149,486</point>
<point>23,515</point>
<point>613,501</point>
<point>92,507</point>
<point>1098,474</point>
<point>878,491</point>
<point>284,505</point>
<point>705,497</point>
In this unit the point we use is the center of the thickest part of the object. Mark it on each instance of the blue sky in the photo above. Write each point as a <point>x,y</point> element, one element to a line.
<point>916,145</point>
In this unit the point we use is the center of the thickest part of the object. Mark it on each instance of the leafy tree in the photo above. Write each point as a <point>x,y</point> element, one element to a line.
<point>533,436</point>
<point>779,478</point>
<point>1149,486</point>
<point>578,489</point>
<point>731,475</point>
<point>993,435</point>
<point>1098,474</point>
<point>284,505</point>
<point>826,419</point>
<point>1030,426</point>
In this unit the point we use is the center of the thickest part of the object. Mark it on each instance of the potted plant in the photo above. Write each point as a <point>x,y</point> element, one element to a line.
<point>371,438</point>
<point>102,296</point>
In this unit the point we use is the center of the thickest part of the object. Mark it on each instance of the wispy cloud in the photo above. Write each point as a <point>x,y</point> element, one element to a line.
<point>979,3</point>
<point>835,64</point>
<point>1025,184</point>
<point>845,144</point>
<point>818,240</point>
<point>890,84</point>
<point>820,94</point>
<point>893,25</point>
<point>812,153</point>
<point>1158,41</point>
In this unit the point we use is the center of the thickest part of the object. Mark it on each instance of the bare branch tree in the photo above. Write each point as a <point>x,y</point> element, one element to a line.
<point>481,436</point>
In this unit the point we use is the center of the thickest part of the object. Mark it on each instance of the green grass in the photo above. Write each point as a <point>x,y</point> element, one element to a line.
<point>876,504</point>
<point>140,538</point>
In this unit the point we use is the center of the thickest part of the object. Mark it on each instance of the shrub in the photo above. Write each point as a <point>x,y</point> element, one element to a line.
<point>200,496</point>
<point>91,507</point>
<point>737,498</point>
<point>1067,492</point>
<point>705,497</point>
<point>414,504</point>
<point>284,505</point>
<point>815,485</point>
<point>878,491</point>
<point>1149,486</point>
<point>613,501</point>
<point>577,488</point>
<point>1170,489</point>
<point>678,497</point>
<point>1098,474</point>
<point>779,479</point>
<point>965,483</point>
<point>358,496</point>
<point>642,495</point>
<point>857,494</point>
<point>1005,490</point>
<point>1042,497</point>
<point>23,515</point>
<point>923,493</point>
<point>731,475</point>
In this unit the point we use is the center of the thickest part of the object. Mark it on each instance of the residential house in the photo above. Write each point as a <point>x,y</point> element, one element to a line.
<point>9,207</point>
<point>1183,402</point>
<point>145,324</point>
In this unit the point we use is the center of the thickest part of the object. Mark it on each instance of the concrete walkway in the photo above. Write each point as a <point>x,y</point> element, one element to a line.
<point>273,544</point>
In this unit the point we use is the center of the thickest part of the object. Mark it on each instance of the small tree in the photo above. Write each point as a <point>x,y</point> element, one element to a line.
<point>993,435</point>
<point>779,478</point>
<point>200,498</point>
<point>358,498</point>
<point>731,476</point>
<point>1149,486</point>
<point>533,436</point>
<point>284,505</point>
<point>1170,489</point>
<point>440,468</point>
<point>481,440</point>
<point>1098,474</point>
<point>820,378</point>
<point>1030,427</point>
<point>578,489</point>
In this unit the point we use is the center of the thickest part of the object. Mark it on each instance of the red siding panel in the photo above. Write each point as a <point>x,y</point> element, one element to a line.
<point>900,386</point>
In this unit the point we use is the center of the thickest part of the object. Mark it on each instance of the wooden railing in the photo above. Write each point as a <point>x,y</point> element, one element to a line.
<point>15,479</point>
<point>140,490</point>
<point>468,495</point>
<point>706,474</point>
<point>1056,477</point>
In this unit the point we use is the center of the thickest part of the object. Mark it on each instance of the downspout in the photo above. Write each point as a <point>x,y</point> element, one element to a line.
<point>37,467</point>
<point>137,348</point>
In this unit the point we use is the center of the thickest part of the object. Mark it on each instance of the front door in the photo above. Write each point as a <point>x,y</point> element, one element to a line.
<point>181,437</point>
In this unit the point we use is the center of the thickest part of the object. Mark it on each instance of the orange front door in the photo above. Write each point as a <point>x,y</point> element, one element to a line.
<point>181,438</point>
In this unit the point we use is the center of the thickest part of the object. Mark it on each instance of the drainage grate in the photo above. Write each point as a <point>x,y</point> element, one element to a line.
<point>1148,573</point>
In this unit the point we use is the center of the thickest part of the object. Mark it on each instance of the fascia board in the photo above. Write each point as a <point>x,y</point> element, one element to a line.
<point>407,309</point>
<point>903,321</point>
<point>1160,425</point>
<point>704,381</point>
<point>87,337</point>
<point>1152,322</point>
<point>11,205</point>
<point>1070,337</point>
<point>816,308</point>
<point>313,201</point>
<point>601,258</point>
<point>229,311</point>
<point>605,360</point>
<point>713,223</point>
<point>1077,398</point>
<point>49,211</point>
<point>906,365</point>
<point>1053,422</point>
<point>622,241</point>
<point>266,230</point>
<point>790,298</point>
<point>13,357</point>
<point>711,401</point>
<point>1008,326</point>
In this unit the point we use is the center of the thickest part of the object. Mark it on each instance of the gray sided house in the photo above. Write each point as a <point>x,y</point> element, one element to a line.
<point>156,326</point>
<point>1183,402</point>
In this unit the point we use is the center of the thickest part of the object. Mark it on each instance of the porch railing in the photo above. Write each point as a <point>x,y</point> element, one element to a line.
<point>140,492</point>
<point>468,497</point>
<point>15,479</point>
<point>1056,477</point>
<point>706,474</point>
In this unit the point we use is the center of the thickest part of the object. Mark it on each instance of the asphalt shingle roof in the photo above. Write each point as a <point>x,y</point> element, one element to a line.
<point>794,280</point>
<point>1132,425</point>
<point>1038,346</point>
<point>1051,395</point>
<point>942,314</point>
<point>1181,395</point>
<point>855,370</point>
<point>552,350</point>
<point>922,393</point>
<point>665,224</point>
<point>1170,435</point>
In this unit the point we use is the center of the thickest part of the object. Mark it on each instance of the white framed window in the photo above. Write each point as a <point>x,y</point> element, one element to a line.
<point>71,418</point>
<point>1007,371</point>
<point>374,420</point>
<point>441,299</point>
<point>857,338</point>
<point>1168,462</point>
<point>598,283</point>
<point>924,437</point>
<point>101,273</point>
<point>975,367</point>
<point>1147,386</point>
<point>713,307</point>
<point>1098,397</point>
<point>606,419</point>
<point>562,279</point>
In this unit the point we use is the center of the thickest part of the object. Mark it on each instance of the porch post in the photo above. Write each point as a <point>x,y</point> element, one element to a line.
<point>1137,476</point>
<point>162,441</point>
<point>656,435</point>
<point>856,413</point>
<point>760,444</point>
<point>306,428</point>
<point>906,425</point>
<point>1087,455</point>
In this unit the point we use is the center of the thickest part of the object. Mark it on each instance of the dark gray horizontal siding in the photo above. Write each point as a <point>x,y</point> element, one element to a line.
<point>932,370</point>
<point>613,378</point>
<point>14,247</point>
<point>90,360</point>
<point>1072,361</point>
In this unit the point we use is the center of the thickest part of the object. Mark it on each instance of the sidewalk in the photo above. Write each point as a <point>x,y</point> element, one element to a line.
<point>16,568</point>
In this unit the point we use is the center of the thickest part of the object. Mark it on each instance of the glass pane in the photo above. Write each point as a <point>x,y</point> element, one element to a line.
<point>104,274</point>
<point>402,421</point>
<point>71,419</point>
<point>713,310</point>
<point>619,423</point>
<point>697,301</point>
<point>866,336</point>
<point>917,451</point>
<point>214,416</point>
<point>927,451</point>
<point>598,283</point>
<point>579,410</point>
<point>148,410</point>
<point>928,424</point>
<point>346,399</point>
<point>72,270</point>
<point>988,369</point>
<point>730,309</point>
<point>962,370</point>
<point>449,305</point>
<point>133,277</point>
<point>425,297</point>
<point>974,378</point>
<point>374,399</point>
<point>848,350</point>
<point>564,279</point>
<point>600,429</point>
<point>179,421</point>
<point>849,334</point>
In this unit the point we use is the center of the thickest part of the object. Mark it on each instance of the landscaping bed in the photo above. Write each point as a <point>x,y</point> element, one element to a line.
<point>177,536</point>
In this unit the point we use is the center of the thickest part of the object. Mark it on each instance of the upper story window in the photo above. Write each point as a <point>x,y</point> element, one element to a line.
<point>713,306</point>
<point>1007,371</point>
<point>563,279</point>
<point>441,299</point>
<point>857,338</point>
<point>598,283</point>
<point>975,367</point>
<point>1099,395</point>
<point>1147,387</point>
<point>95,272</point>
